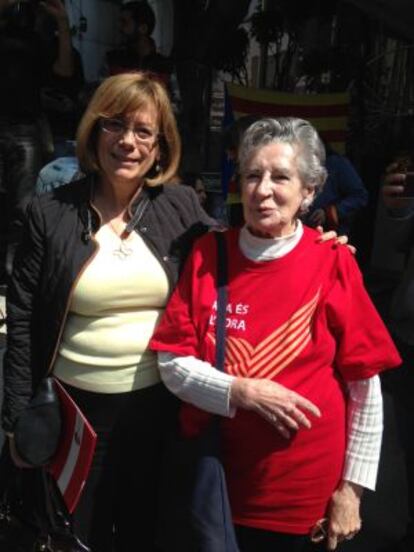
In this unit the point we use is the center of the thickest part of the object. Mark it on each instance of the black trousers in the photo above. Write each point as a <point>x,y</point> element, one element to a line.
<point>258,540</point>
<point>117,511</point>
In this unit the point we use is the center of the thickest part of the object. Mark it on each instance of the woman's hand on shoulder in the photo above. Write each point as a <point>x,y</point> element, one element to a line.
<point>344,520</point>
<point>332,235</point>
<point>286,410</point>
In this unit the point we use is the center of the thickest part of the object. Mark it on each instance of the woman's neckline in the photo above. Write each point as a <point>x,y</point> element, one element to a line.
<point>259,249</point>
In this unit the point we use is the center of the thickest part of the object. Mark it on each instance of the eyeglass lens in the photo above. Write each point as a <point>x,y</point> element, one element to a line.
<point>117,126</point>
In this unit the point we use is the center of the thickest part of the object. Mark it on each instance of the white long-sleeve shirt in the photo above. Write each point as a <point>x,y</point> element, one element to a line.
<point>199,383</point>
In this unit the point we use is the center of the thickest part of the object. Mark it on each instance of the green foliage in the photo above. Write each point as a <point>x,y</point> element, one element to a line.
<point>284,16</point>
<point>267,26</point>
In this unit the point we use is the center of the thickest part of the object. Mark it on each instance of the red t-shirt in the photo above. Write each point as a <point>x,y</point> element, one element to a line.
<point>304,320</point>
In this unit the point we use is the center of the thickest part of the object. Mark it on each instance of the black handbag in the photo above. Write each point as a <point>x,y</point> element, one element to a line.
<point>37,430</point>
<point>33,516</point>
<point>194,511</point>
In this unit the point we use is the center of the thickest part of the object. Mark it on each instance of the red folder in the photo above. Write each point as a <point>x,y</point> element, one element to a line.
<point>72,461</point>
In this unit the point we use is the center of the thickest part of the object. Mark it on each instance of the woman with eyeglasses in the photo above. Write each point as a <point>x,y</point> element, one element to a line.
<point>98,261</point>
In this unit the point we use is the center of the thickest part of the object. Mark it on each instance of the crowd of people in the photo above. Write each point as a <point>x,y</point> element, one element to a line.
<point>111,271</point>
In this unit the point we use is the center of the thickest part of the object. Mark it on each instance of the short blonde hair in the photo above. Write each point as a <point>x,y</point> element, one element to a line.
<point>120,95</point>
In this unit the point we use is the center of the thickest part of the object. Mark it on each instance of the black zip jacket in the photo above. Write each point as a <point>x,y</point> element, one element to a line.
<point>57,244</point>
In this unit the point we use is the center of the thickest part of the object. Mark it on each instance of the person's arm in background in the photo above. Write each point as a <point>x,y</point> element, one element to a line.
<point>351,189</point>
<point>63,65</point>
<point>343,195</point>
<point>400,210</point>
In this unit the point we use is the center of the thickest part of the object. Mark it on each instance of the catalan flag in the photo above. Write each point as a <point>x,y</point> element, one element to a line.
<point>327,112</point>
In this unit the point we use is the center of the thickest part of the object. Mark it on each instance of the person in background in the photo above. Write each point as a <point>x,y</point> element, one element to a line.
<point>10,173</point>
<point>26,66</point>
<point>195,181</point>
<point>400,210</point>
<point>138,50</point>
<point>300,400</point>
<point>96,265</point>
<point>56,173</point>
<point>59,95</point>
<point>343,195</point>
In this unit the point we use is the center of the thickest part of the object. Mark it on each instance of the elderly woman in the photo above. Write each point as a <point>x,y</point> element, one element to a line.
<point>300,398</point>
<point>98,260</point>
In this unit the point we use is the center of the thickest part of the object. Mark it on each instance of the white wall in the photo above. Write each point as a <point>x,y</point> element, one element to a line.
<point>101,33</point>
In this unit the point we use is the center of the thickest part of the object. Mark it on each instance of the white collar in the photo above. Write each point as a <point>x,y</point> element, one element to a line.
<point>267,249</point>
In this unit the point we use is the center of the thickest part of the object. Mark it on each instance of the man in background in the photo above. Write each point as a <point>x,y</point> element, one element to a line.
<point>138,50</point>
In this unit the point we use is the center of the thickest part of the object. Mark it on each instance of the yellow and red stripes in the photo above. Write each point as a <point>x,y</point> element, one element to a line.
<point>327,112</point>
<point>276,351</point>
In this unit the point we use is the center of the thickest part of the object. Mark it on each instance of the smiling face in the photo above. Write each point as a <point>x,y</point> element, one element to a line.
<point>123,160</point>
<point>272,190</point>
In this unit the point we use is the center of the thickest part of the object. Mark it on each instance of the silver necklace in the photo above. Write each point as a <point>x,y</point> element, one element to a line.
<point>123,250</point>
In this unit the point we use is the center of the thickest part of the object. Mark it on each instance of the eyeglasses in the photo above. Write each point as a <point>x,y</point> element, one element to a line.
<point>142,134</point>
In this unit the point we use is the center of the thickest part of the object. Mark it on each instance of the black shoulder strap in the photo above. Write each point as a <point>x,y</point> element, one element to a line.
<point>221,285</point>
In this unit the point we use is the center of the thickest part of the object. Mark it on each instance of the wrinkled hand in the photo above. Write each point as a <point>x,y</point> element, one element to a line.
<point>393,187</point>
<point>277,404</point>
<point>332,235</point>
<point>344,520</point>
<point>17,460</point>
<point>318,217</point>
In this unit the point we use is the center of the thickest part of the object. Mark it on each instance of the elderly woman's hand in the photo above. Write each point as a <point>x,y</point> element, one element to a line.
<point>344,520</point>
<point>277,404</point>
